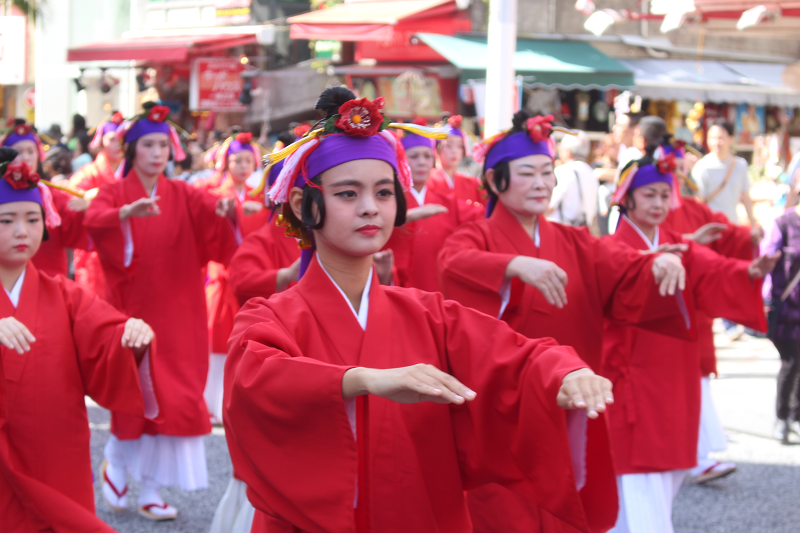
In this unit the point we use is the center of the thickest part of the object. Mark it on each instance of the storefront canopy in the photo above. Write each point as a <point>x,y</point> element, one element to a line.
<point>364,20</point>
<point>712,81</point>
<point>172,48</point>
<point>552,64</point>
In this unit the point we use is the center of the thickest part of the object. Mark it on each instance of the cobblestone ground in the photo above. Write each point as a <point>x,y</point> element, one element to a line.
<point>761,497</point>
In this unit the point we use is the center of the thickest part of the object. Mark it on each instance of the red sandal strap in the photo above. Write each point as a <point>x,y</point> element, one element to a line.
<point>157,506</point>
<point>113,488</point>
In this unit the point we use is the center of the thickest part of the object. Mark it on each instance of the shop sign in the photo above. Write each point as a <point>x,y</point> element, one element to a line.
<point>13,50</point>
<point>216,84</point>
<point>232,12</point>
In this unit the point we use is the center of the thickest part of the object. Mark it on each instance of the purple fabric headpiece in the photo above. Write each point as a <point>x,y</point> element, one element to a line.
<point>339,148</point>
<point>13,138</point>
<point>649,174</point>
<point>236,147</point>
<point>9,194</point>
<point>412,141</point>
<point>667,149</point>
<point>516,146</point>
<point>452,131</point>
<point>143,127</point>
<point>274,171</point>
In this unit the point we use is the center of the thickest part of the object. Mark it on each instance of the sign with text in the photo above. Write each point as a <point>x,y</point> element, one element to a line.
<point>216,84</point>
<point>232,12</point>
<point>13,50</point>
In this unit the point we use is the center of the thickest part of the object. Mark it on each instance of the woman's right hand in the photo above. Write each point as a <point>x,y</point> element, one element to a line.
<point>542,274</point>
<point>14,335</point>
<point>143,207</point>
<point>424,211</point>
<point>407,385</point>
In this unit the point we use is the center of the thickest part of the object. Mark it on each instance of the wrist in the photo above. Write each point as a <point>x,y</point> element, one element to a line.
<point>512,269</point>
<point>354,383</point>
<point>124,212</point>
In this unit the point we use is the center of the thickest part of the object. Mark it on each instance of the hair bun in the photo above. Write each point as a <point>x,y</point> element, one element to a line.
<point>519,120</point>
<point>332,98</point>
<point>147,106</point>
<point>235,130</point>
<point>7,154</point>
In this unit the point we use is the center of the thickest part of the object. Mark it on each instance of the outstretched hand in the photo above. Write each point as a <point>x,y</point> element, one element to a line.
<point>384,262</point>
<point>424,211</point>
<point>708,233</point>
<point>407,385</point>
<point>226,207</point>
<point>583,389</point>
<point>669,274</point>
<point>137,336</point>
<point>251,207</point>
<point>763,265</point>
<point>14,335</point>
<point>545,275</point>
<point>756,235</point>
<point>143,207</point>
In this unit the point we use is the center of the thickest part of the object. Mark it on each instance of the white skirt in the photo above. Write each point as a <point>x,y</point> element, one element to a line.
<point>161,460</point>
<point>234,513</point>
<point>215,385</point>
<point>645,501</point>
<point>712,436</point>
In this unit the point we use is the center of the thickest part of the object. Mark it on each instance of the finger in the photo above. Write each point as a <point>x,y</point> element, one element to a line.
<point>598,393</point>
<point>13,341</point>
<point>6,342</point>
<point>562,276</point>
<point>554,291</point>
<point>21,340</point>
<point>559,283</point>
<point>140,337</point>
<point>608,392</point>
<point>454,384</point>
<point>673,282</point>
<point>575,395</point>
<point>25,331</point>
<point>545,290</point>
<point>444,391</point>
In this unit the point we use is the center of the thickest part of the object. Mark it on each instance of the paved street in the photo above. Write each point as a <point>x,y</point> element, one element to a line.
<point>761,497</point>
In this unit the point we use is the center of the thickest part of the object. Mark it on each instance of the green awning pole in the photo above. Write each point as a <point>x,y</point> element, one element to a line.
<point>500,83</point>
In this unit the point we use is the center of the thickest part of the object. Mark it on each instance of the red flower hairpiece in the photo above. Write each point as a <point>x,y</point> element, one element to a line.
<point>360,118</point>
<point>117,118</point>
<point>455,121</point>
<point>419,121</point>
<point>158,113</point>
<point>667,164</point>
<point>22,129</point>
<point>301,130</point>
<point>679,144</point>
<point>19,176</point>
<point>539,127</point>
<point>244,138</point>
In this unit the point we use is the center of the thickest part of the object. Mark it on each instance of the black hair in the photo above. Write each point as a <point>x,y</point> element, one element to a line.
<point>78,123</point>
<point>84,140</point>
<point>652,128</point>
<point>60,160</point>
<point>725,125</point>
<point>332,98</point>
<point>186,162</point>
<point>286,137</point>
<point>647,159</point>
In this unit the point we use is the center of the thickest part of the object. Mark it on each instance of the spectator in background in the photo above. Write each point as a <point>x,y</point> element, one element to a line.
<point>58,165</point>
<point>722,177</point>
<point>793,173</point>
<point>574,199</point>
<point>183,169</point>
<point>82,154</point>
<point>78,127</point>
<point>623,131</point>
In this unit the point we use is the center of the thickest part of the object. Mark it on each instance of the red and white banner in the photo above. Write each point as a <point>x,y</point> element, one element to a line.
<point>216,84</point>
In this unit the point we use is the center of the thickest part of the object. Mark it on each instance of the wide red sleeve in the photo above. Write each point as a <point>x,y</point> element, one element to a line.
<point>735,242</point>
<point>104,226</point>
<point>216,236</point>
<point>110,374</point>
<point>71,233</point>
<point>721,287</point>
<point>313,487</point>
<point>514,433</point>
<point>252,271</point>
<point>629,291</point>
<point>470,274</point>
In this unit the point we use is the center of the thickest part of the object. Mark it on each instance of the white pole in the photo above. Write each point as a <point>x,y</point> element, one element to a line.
<point>501,46</point>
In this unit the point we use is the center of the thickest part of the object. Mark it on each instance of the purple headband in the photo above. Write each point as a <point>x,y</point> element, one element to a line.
<point>143,127</point>
<point>649,174</point>
<point>453,131</point>
<point>10,194</point>
<point>274,171</point>
<point>339,148</point>
<point>516,146</point>
<point>236,147</point>
<point>13,138</point>
<point>680,153</point>
<point>412,141</point>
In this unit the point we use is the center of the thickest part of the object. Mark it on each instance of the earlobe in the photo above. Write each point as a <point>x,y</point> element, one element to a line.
<point>296,202</point>
<point>489,175</point>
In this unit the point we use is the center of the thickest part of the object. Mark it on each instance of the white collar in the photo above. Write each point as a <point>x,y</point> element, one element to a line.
<point>536,239</point>
<point>651,245</point>
<point>450,181</point>
<point>363,309</point>
<point>419,196</point>
<point>13,295</point>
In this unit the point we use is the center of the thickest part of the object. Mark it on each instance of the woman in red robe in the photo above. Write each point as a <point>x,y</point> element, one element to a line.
<point>59,343</point>
<point>345,408</point>
<point>70,233</point>
<point>237,159</point>
<point>154,237</point>
<point>654,442</point>
<point>431,218</point>
<point>88,270</point>
<point>515,265</point>
<point>445,179</point>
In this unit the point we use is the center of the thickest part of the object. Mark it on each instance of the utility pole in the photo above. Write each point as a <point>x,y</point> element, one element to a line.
<point>500,84</point>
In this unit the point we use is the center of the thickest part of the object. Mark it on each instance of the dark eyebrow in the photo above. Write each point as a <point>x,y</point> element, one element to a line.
<point>347,183</point>
<point>384,181</point>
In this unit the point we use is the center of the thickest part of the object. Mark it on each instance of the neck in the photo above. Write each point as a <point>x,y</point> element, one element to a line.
<point>723,155</point>
<point>528,222</point>
<point>419,185</point>
<point>350,273</point>
<point>449,171</point>
<point>10,275</point>
<point>148,182</point>
<point>114,164</point>
<point>648,229</point>
<point>238,185</point>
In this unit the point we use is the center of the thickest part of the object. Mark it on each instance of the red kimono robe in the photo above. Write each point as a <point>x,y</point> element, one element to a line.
<point>604,279</point>
<point>292,443</point>
<point>220,300</point>
<point>52,255</point>
<point>416,245</point>
<point>254,267</point>
<point>465,187</point>
<point>45,465</point>
<point>88,269</point>
<point>735,243</point>
<point>656,417</point>
<point>163,284</point>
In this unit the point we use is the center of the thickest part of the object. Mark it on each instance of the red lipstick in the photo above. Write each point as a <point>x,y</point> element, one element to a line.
<point>369,229</point>
<point>21,247</point>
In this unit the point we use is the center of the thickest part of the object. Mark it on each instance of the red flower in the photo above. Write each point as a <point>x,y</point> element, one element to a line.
<point>360,118</point>
<point>667,164</point>
<point>159,113</point>
<point>301,130</point>
<point>419,121</point>
<point>244,138</point>
<point>539,127</point>
<point>455,121</point>
<point>23,129</point>
<point>117,118</point>
<point>679,145</point>
<point>20,176</point>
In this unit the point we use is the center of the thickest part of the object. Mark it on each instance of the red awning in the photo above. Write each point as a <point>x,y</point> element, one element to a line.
<point>174,48</point>
<point>364,20</point>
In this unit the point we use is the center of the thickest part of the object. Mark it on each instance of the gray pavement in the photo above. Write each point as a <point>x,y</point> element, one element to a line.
<point>761,497</point>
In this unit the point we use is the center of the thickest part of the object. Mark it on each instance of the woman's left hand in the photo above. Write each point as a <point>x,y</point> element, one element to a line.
<point>763,265</point>
<point>251,207</point>
<point>77,204</point>
<point>583,389</point>
<point>137,335</point>
<point>669,273</point>
<point>226,207</point>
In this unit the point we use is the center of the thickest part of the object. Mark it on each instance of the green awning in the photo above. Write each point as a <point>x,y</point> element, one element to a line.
<point>553,64</point>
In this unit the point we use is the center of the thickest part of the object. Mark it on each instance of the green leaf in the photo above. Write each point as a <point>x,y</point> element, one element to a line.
<point>330,124</point>
<point>385,123</point>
